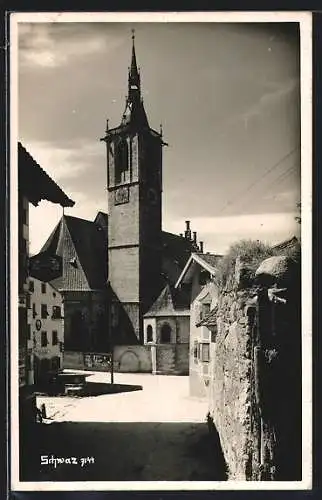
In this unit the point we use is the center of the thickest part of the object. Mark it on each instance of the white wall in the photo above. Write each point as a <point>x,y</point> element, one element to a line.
<point>199,371</point>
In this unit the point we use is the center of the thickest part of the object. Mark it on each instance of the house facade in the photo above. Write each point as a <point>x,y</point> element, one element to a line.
<point>199,279</point>
<point>45,331</point>
<point>34,185</point>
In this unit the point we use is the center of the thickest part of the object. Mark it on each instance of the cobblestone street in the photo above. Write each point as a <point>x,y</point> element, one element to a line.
<point>157,433</point>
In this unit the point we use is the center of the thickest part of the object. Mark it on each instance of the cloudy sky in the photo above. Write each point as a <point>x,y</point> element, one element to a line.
<point>227,96</point>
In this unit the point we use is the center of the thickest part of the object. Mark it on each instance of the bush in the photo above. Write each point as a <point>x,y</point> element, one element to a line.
<point>251,252</point>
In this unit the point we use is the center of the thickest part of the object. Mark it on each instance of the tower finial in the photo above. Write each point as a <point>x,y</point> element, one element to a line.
<point>134,77</point>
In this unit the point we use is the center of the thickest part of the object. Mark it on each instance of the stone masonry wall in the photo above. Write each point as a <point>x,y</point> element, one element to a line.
<point>255,387</point>
<point>230,384</point>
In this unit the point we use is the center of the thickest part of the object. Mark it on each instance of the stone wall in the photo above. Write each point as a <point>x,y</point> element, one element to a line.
<point>170,359</point>
<point>134,358</point>
<point>255,386</point>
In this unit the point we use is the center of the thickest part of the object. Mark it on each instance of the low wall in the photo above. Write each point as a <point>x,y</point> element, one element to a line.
<point>170,359</point>
<point>136,358</point>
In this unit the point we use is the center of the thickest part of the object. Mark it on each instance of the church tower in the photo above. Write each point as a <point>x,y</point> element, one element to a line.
<point>134,185</point>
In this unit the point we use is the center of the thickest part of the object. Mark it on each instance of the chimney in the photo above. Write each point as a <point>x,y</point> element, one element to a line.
<point>201,246</point>
<point>187,233</point>
<point>195,237</point>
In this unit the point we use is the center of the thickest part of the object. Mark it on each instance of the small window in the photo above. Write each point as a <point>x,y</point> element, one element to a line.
<point>44,340</point>
<point>31,286</point>
<point>205,310</point>
<point>54,337</point>
<point>43,288</point>
<point>56,312</point>
<point>29,332</point>
<point>166,333</point>
<point>204,353</point>
<point>149,334</point>
<point>44,311</point>
<point>28,302</point>
<point>34,312</point>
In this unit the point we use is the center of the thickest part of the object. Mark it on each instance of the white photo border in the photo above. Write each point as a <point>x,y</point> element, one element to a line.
<point>305,22</point>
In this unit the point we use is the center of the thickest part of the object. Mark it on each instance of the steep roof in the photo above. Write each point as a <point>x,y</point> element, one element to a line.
<point>176,250</point>
<point>170,303</point>
<point>35,183</point>
<point>210,258</point>
<point>87,241</point>
<point>207,261</point>
<point>82,245</point>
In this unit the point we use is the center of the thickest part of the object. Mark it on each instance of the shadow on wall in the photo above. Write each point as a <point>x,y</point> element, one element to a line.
<point>121,326</point>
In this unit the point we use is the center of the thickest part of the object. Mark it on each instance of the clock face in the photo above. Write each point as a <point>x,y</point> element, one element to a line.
<point>122,195</point>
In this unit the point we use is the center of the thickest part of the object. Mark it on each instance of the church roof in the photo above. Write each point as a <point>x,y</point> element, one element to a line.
<point>87,242</point>
<point>35,183</point>
<point>170,303</point>
<point>176,250</point>
<point>82,246</point>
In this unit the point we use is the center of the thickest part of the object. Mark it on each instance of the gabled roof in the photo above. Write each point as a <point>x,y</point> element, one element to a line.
<point>35,183</point>
<point>82,245</point>
<point>170,303</point>
<point>206,261</point>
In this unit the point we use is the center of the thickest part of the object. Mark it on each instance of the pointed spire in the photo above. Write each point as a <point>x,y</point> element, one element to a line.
<point>134,76</point>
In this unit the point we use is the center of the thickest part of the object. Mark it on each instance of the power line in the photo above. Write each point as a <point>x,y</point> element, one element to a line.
<point>281,178</point>
<point>254,183</point>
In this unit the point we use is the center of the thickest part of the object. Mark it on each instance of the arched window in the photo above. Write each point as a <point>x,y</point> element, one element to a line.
<point>165,333</point>
<point>149,334</point>
<point>121,160</point>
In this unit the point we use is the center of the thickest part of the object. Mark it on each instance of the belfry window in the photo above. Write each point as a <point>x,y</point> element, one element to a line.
<point>121,161</point>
